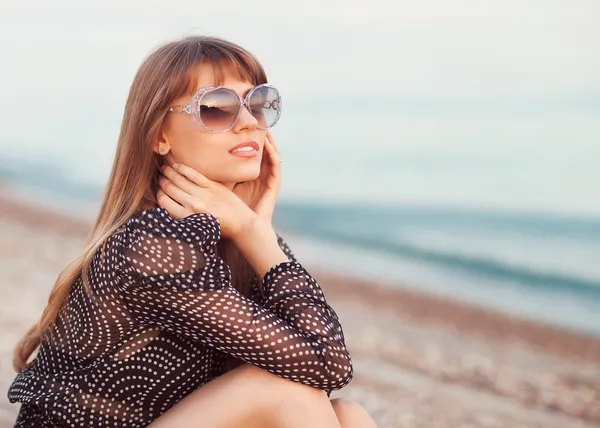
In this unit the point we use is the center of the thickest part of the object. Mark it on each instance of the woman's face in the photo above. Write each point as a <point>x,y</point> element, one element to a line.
<point>210,153</point>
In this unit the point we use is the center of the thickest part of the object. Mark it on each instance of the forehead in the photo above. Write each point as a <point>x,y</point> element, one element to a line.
<point>227,76</point>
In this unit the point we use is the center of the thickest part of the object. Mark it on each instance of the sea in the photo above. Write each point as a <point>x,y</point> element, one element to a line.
<point>468,174</point>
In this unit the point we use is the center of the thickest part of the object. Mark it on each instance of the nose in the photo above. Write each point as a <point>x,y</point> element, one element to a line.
<point>246,121</point>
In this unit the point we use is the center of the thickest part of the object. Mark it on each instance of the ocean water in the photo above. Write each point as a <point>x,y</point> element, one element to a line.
<point>498,227</point>
<point>454,153</point>
<point>538,266</point>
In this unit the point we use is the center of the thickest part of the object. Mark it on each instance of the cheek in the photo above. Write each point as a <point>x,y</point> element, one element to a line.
<point>194,148</point>
<point>208,154</point>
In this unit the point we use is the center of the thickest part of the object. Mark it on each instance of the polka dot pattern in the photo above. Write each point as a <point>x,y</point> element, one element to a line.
<point>160,321</point>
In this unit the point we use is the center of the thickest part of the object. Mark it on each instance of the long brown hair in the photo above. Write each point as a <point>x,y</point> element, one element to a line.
<point>168,73</point>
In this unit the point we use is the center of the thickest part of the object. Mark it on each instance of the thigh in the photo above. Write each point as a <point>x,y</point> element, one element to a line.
<point>243,397</point>
<point>351,414</point>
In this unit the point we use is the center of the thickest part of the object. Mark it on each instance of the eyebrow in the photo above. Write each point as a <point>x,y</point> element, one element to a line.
<point>243,94</point>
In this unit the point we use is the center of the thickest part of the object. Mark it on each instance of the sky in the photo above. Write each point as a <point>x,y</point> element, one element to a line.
<point>507,88</point>
<point>427,47</point>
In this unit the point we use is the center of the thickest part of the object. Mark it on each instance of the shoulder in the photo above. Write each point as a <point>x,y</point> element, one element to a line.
<point>169,251</point>
<point>157,224</point>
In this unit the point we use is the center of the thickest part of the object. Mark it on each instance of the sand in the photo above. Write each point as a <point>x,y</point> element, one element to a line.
<point>420,360</point>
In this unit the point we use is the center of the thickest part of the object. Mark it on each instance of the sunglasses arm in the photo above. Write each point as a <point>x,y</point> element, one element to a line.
<point>181,109</point>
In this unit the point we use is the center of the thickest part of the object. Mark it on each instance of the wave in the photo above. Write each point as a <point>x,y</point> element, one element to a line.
<point>368,231</point>
<point>385,229</point>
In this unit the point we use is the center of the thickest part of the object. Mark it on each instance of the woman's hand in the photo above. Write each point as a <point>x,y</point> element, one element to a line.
<point>261,194</point>
<point>185,191</point>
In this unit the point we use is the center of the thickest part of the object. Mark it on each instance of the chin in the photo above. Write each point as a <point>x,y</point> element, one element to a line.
<point>241,176</point>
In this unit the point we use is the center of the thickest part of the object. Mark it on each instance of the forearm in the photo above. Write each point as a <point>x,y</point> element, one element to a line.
<point>187,289</point>
<point>258,244</point>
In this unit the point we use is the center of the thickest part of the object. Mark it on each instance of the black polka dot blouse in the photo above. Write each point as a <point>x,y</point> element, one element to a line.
<point>162,318</point>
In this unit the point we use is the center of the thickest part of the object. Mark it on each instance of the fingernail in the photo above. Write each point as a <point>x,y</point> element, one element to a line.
<point>163,167</point>
<point>176,165</point>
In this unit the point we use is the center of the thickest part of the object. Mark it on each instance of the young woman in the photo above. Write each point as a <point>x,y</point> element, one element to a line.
<point>186,309</point>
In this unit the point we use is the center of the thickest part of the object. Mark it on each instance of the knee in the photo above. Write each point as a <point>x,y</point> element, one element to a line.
<point>351,414</point>
<point>345,406</point>
<point>273,387</point>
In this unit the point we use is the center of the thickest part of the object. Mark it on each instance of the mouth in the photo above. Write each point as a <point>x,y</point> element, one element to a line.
<point>246,149</point>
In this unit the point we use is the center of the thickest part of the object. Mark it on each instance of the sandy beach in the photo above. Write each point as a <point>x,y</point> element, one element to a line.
<point>420,360</point>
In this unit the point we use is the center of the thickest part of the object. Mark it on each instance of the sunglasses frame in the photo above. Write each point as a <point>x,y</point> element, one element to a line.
<point>193,108</point>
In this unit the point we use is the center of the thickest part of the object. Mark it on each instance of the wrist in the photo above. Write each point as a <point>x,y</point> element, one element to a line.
<point>253,227</point>
<point>244,222</point>
<point>258,244</point>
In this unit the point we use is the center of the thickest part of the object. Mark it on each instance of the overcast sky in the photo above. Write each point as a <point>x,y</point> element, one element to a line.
<point>518,83</point>
<point>420,47</point>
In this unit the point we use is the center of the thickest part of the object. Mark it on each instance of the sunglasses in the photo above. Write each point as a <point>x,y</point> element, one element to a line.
<point>217,109</point>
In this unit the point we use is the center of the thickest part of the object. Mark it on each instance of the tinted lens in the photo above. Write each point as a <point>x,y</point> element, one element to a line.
<point>219,109</point>
<point>265,105</point>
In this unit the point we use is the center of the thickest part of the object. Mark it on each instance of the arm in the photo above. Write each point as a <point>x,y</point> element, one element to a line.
<point>256,283</point>
<point>259,244</point>
<point>175,280</point>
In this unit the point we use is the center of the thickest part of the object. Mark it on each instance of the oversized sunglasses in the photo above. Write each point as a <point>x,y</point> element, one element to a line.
<point>217,108</point>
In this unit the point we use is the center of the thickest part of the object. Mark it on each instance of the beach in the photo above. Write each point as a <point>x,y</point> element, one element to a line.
<point>420,360</point>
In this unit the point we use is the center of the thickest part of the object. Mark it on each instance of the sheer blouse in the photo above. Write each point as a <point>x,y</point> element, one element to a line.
<point>160,321</point>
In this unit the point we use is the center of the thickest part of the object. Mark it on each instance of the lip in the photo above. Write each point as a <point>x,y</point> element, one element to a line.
<point>252,144</point>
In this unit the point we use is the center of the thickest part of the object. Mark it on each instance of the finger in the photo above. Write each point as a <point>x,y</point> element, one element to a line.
<point>176,210</point>
<point>272,141</point>
<point>170,159</point>
<point>174,192</point>
<point>275,156</point>
<point>179,180</point>
<point>193,175</point>
<point>274,161</point>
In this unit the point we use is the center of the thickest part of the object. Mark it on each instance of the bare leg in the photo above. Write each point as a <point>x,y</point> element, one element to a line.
<point>351,414</point>
<point>250,397</point>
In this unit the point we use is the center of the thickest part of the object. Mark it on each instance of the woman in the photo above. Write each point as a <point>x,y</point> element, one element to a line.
<point>186,308</point>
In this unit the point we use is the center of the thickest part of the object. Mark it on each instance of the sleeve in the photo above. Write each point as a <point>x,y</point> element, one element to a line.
<point>286,249</point>
<point>175,280</point>
<point>292,257</point>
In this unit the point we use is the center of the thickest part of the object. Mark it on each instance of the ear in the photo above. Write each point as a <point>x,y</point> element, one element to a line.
<point>161,144</point>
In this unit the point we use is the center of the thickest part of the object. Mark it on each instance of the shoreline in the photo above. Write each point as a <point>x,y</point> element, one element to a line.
<point>470,319</point>
<point>421,307</point>
<point>420,359</point>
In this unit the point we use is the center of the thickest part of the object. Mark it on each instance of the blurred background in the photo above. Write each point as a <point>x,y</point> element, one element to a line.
<point>443,147</point>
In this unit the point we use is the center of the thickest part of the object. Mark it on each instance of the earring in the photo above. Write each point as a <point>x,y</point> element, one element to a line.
<point>162,149</point>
